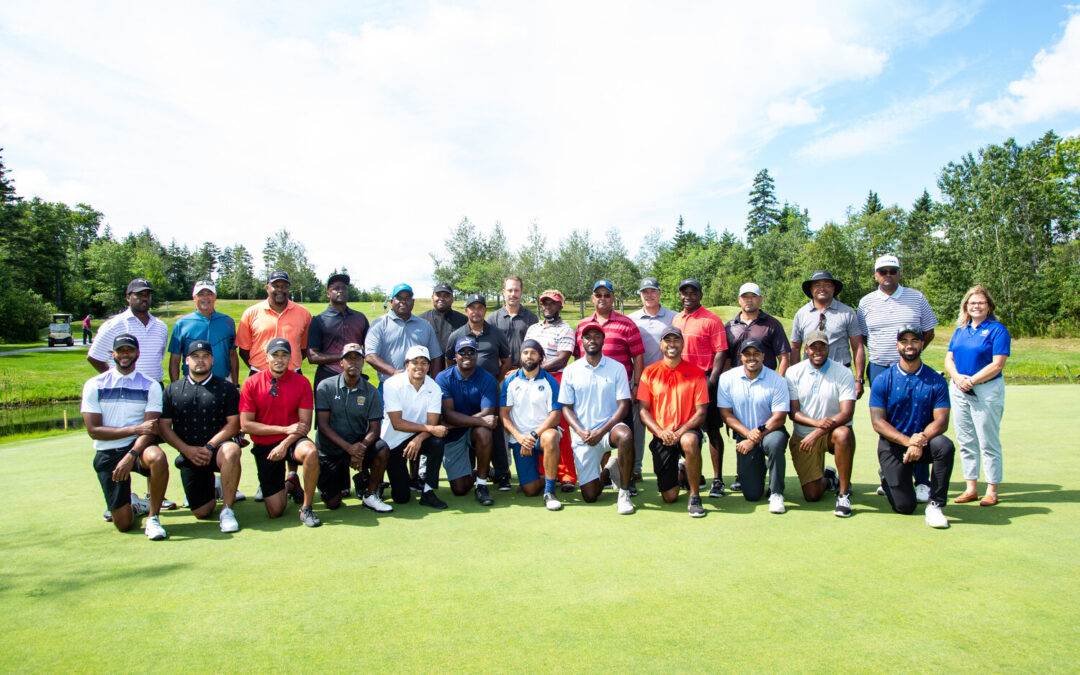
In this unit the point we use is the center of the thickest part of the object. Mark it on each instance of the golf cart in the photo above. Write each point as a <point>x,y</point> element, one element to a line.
<point>60,330</point>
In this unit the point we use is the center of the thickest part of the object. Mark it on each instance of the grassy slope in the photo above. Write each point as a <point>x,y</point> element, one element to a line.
<point>520,588</point>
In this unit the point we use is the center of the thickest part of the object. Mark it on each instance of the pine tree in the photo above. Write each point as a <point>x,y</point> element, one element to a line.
<point>763,215</point>
<point>873,204</point>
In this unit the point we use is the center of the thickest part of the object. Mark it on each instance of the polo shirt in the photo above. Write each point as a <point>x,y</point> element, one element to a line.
<point>390,337</point>
<point>974,348</point>
<point>909,399</point>
<point>259,324</point>
<point>651,326</point>
<point>470,395</point>
<point>218,329</point>
<point>841,324</point>
<point>399,395</point>
<point>674,393</point>
<point>594,392</point>
<point>491,345</point>
<point>293,394</point>
<point>703,336</point>
<point>752,401</point>
<point>881,315</point>
<point>819,391</point>
<point>765,328</point>
<point>554,337</point>
<point>514,326</point>
<point>121,400</point>
<point>622,339</point>
<point>530,400</point>
<point>444,324</point>
<point>199,410</point>
<point>351,411</point>
<point>330,331</point>
<point>152,337</point>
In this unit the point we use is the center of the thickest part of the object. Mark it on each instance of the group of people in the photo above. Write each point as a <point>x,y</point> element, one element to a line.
<point>467,393</point>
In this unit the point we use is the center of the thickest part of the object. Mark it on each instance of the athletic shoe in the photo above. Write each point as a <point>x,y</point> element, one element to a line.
<point>633,488</point>
<point>718,489</point>
<point>360,484</point>
<point>240,496</point>
<point>483,496</point>
<point>880,491</point>
<point>345,493</point>
<point>416,485</point>
<point>292,487</point>
<point>695,508</point>
<point>832,481</point>
<point>776,503</point>
<point>701,481</point>
<point>637,477</point>
<point>372,501</point>
<point>568,486</point>
<point>139,506</point>
<point>623,504</point>
<point>258,494</point>
<point>684,482</point>
<point>431,499</point>
<point>166,505</point>
<point>503,483</point>
<point>107,516</point>
<point>843,505</point>
<point>552,502</point>
<point>154,530</point>
<point>881,485</point>
<point>736,486</point>
<point>922,493</point>
<point>227,520</point>
<point>308,517</point>
<point>935,518</point>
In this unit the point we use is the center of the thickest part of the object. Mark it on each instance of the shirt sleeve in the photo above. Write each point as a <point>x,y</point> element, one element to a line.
<point>846,385</point>
<point>247,396</point>
<point>879,393</point>
<point>952,340</point>
<point>504,346</point>
<point>443,380</point>
<point>232,401</point>
<point>781,400</point>
<point>779,339</point>
<point>853,329</point>
<point>391,402</point>
<point>243,331</point>
<point>502,391</point>
<point>701,390</point>
<point>168,408</point>
<point>565,341</point>
<point>1002,344</point>
<point>314,334</point>
<point>489,396</point>
<point>720,339</point>
<point>941,395</point>
<point>433,344</point>
<point>861,316</point>
<point>90,403</point>
<point>796,325</point>
<point>174,340</point>
<point>927,318</point>
<point>792,385</point>
<point>371,341</point>
<point>101,350</point>
<point>324,394</point>
<point>376,405</point>
<point>637,347</point>
<point>644,391</point>
<point>555,389</point>
<point>566,390</point>
<point>435,404</point>
<point>153,398</point>
<point>623,386</point>
<point>723,393</point>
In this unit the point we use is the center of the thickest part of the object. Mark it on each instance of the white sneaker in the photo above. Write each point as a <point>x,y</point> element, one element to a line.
<point>139,506</point>
<point>154,530</point>
<point>922,493</point>
<point>880,491</point>
<point>776,503</point>
<point>258,494</point>
<point>552,502</point>
<point>935,518</point>
<point>372,501</point>
<point>228,520</point>
<point>625,506</point>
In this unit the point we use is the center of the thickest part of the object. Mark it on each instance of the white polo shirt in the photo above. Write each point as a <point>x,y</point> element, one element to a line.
<point>153,336</point>
<point>819,391</point>
<point>594,392</point>
<point>530,401</point>
<point>399,395</point>
<point>121,400</point>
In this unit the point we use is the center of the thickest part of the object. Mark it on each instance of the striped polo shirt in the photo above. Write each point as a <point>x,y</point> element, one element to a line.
<point>881,315</point>
<point>622,339</point>
<point>152,337</point>
<point>554,337</point>
<point>121,400</point>
<point>703,336</point>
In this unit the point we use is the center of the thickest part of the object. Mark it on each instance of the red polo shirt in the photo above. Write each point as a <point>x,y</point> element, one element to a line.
<point>703,336</point>
<point>622,339</point>
<point>293,394</point>
<point>675,393</point>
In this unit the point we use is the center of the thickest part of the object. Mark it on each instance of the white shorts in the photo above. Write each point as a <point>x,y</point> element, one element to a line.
<point>587,457</point>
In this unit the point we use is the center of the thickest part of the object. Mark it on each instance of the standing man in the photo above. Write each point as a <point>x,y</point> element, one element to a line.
<point>881,313</point>
<point>337,326</point>
<point>394,333</point>
<point>470,402</point>
<point>200,416</point>
<point>705,346</point>
<point>120,409</point>
<point>754,402</point>
<point>276,317</point>
<point>825,313</point>
<point>652,321</point>
<point>753,322</point>
<point>444,319</point>
<point>206,325</point>
<point>87,332</point>
<point>530,410</point>
<point>595,397</point>
<point>822,405</point>
<point>674,398</point>
<point>276,408</point>
<point>349,412</point>
<point>136,320</point>
<point>909,408</point>
<point>557,339</point>
<point>513,318</point>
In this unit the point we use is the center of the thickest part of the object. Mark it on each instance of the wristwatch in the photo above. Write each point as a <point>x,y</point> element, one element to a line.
<point>763,429</point>
<point>859,381</point>
<point>133,453</point>
<point>534,434</point>
<point>210,447</point>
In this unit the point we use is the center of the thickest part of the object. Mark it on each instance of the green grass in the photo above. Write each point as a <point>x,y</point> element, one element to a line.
<point>518,588</point>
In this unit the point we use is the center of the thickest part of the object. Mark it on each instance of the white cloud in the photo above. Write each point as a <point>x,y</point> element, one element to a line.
<point>1051,87</point>
<point>792,113</point>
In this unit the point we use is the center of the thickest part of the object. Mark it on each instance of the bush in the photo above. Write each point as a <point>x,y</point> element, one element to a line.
<point>25,312</point>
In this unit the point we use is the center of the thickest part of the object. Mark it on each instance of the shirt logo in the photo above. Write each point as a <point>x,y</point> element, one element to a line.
<point>360,400</point>
<point>540,388</point>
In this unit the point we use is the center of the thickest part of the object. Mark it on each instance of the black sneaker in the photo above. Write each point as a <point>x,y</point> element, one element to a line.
<point>308,517</point>
<point>504,483</point>
<point>416,484</point>
<point>843,505</point>
<point>431,499</point>
<point>695,508</point>
<point>292,487</point>
<point>718,489</point>
<point>736,486</point>
<point>359,484</point>
<point>483,496</point>
<point>832,481</point>
<point>633,488</point>
<point>568,486</point>
<point>701,481</point>
<point>684,482</point>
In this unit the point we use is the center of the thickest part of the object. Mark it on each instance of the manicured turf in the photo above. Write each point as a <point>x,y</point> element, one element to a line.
<point>518,588</point>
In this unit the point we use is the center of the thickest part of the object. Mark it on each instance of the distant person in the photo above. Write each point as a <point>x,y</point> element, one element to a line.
<point>977,353</point>
<point>200,416</point>
<point>513,318</point>
<point>274,318</point>
<point>839,322</point>
<point>394,333</point>
<point>754,322</point>
<point>909,409</point>
<point>205,324</point>
<point>442,316</point>
<point>87,331</point>
<point>136,320</point>
<point>652,321</point>
<point>120,409</point>
<point>335,327</point>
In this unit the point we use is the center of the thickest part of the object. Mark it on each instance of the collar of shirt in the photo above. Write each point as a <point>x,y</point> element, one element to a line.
<point>342,384</point>
<point>129,376</point>
<point>128,315</point>
<point>205,381</point>
<point>289,304</point>
<point>700,310</point>
<point>895,296</point>
<point>599,364</point>
<point>760,317</point>
<point>760,376</point>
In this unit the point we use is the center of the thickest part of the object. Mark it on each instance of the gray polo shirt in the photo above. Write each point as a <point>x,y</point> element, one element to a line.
<point>651,327</point>
<point>841,324</point>
<point>389,338</point>
<point>491,345</point>
<point>351,411</point>
<point>513,327</point>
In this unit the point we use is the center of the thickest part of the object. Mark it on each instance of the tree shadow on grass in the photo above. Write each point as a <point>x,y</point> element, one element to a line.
<point>43,585</point>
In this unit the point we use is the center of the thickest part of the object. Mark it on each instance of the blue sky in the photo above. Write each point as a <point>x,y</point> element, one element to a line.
<point>370,129</point>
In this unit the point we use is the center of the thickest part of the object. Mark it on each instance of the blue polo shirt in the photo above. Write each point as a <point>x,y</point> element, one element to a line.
<point>470,395</point>
<point>753,401</point>
<point>219,330</point>
<point>974,348</point>
<point>909,399</point>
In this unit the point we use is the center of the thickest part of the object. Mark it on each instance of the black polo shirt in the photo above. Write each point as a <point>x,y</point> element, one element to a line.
<point>351,411</point>
<point>444,324</point>
<point>491,346</point>
<point>330,331</point>
<point>765,328</point>
<point>514,327</point>
<point>199,410</point>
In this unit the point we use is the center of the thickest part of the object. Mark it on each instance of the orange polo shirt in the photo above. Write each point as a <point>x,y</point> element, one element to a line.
<point>259,324</point>
<point>703,336</point>
<point>674,393</point>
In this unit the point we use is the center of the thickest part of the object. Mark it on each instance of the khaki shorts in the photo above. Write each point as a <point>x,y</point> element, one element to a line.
<point>810,466</point>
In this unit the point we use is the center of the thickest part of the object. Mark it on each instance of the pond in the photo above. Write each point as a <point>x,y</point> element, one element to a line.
<point>39,418</point>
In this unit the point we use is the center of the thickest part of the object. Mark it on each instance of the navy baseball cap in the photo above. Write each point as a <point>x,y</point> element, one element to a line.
<point>278,275</point>
<point>690,282</point>
<point>909,328</point>
<point>467,342</point>
<point>751,342</point>
<point>139,285</point>
<point>278,345</point>
<point>475,297</point>
<point>670,330</point>
<point>442,288</point>
<point>198,345</point>
<point>124,340</point>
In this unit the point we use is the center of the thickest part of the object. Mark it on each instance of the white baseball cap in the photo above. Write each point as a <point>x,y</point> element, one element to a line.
<point>750,287</point>
<point>204,285</point>
<point>887,261</point>
<point>417,351</point>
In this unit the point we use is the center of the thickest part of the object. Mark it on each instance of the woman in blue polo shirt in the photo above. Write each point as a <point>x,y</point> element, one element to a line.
<point>976,357</point>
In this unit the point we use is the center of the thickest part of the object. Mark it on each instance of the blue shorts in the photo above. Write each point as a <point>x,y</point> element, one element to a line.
<point>528,468</point>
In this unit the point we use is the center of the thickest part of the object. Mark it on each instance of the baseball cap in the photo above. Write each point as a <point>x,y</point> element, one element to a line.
<point>442,288</point>
<point>751,342</point>
<point>649,282</point>
<point>139,285</point>
<point>551,294</point>
<point>909,328</point>
<point>278,345</point>
<point>750,287</point>
<point>590,327</point>
<point>475,297</point>
<point>125,340</point>
<point>204,286</point>
<point>887,261</point>
<point>399,288</point>
<point>352,348</point>
<point>198,345</point>
<point>670,330</point>
<point>605,284</point>
<point>466,342</point>
<point>278,275</point>
<point>340,276</point>
<point>690,282</point>
<point>816,336</point>
<point>416,351</point>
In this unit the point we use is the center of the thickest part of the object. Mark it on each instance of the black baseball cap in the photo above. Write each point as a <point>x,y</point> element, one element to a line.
<point>278,345</point>
<point>751,342</point>
<point>125,340</point>
<point>690,282</point>
<point>475,297</point>
<point>442,288</point>
<point>278,275</point>
<point>197,345</point>
<point>340,276</point>
<point>909,328</point>
<point>139,285</point>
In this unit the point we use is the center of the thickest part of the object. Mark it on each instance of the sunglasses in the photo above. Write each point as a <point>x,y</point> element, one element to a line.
<point>888,271</point>
<point>273,387</point>
<point>821,321</point>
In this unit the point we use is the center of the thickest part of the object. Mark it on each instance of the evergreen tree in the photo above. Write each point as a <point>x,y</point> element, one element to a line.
<point>873,204</point>
<point>763,215</point>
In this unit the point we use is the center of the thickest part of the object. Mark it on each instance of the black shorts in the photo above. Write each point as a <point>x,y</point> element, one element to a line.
<point>117,495</point>
<point>334,469</point>
<point>198,480</point>
<point>666,461</point>
<point>713,420</point>
<point>272,474</point>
